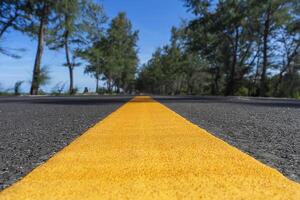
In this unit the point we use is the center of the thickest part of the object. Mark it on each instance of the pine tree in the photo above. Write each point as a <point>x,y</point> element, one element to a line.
<point>121,60</point>
<point>42,15</point>
<point>65,32</point>
<point>12,16</point>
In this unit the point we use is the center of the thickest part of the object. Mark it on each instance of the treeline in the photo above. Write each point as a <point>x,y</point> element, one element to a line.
<point>78,27</point>
<point>230,47</point>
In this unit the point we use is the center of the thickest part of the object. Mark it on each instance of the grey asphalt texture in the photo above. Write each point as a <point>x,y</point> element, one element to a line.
<point>32,129</point>
<point>265,128</point>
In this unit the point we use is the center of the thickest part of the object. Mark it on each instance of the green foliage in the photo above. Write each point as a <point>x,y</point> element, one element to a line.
<point>17,87</point>
<point>113,57</point>
<point>37,12</point>
<point>67,13</point>
<point>121,56</point>
<point>229,48</point>
<point>75,90</point>
<point>95,57</point>
<point>243,91</point>
<point>41,17</point>
<point>172,70</point>
<point>12,16</point>
<point>90,27</point>
<point>102,90</point>
<point>44,76</point>
<point>58,89</point>
<point>72,24</point>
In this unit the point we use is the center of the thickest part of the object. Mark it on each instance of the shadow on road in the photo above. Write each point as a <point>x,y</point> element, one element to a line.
<point>99,100</point>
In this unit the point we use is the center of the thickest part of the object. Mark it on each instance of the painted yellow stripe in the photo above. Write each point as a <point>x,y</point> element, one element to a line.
<point>146,151</point>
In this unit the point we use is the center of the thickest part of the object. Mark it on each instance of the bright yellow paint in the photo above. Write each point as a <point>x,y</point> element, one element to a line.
<point>146,151</point>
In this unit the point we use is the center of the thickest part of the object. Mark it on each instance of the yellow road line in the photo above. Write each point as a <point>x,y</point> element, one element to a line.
<point>146,151</point>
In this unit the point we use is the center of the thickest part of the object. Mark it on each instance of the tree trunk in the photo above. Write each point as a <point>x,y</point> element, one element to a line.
<point>69,64</point>
<point>253,91</point>
<point>97,83</point>
<point>38,58</point>
<point>291,87</point>
<point>230,89</point>
<point>190,84</point>
<point>216,77</point>
<point>278,83</point>
<point>71,89</point>
<point>109,83</point>
<point>286,66</point>
<point>263,83</point>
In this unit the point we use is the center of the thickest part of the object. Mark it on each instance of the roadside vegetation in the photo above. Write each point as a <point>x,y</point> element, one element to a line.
<point>229,47</point>
<point>79,28</point>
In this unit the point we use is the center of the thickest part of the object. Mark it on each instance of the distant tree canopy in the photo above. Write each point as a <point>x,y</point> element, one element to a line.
<point>114,56</point>
<point>244,47</point>
<point>77,27</point>
<point>174,70</point>
<point>229,47</point>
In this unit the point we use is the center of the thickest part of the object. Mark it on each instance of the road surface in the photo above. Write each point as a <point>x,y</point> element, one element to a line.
<point>177,140</point>
<point>32,129</point>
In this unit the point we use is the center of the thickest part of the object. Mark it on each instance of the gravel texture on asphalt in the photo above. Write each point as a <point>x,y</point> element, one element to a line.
<point>145,151</point>
<point>32,129</point>
<point>267,129</point>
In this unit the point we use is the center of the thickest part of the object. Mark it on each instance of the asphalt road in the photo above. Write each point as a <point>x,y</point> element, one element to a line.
<point>32,129</point>
<point>146,151</point>
<point>265,128</point>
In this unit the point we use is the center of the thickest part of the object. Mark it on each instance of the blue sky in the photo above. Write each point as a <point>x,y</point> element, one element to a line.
<point>153,19</point>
